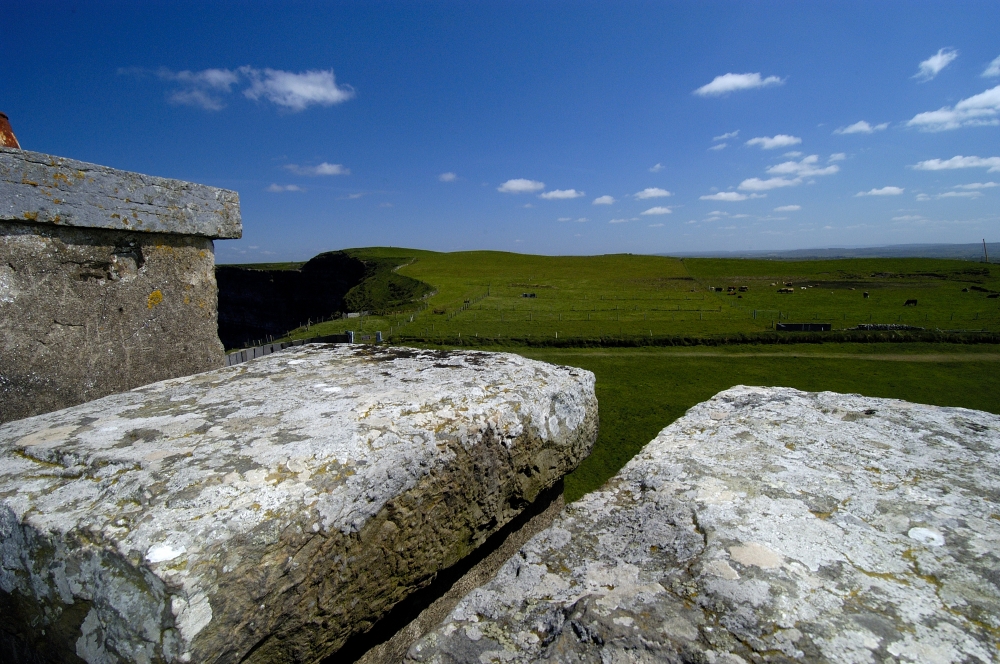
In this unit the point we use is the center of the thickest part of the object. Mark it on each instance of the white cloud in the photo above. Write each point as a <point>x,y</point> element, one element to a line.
<point>447,177</point>
<point>976,111</point>
<point>352,197</point>
<point>804,168</point>
<point>656,169</point>
<point>520,186</point>
<point>604,200</point>
<point>201,88</point>
<point>658,210</point>
<point>652,192</point>
<point>295,91</point>
<point>719,146</point>
<point>787,208</point>
<point>837,156</point>
<point>960,194</point>
<point>618,221</point>
<point>756,184</point>
<point>727,136</point>
<point>908,217</point>
<point>323,169</point>
<point>660,225</point>
<point>278,188</point>
<point>977,185</point>
<point>992,163</point>
<point>933,65</point>
<point>727,83</point>
<point>565,219</point>
<point>771,142</point>
<point>582,220</point>
<point>793,153</point>
<point>923,197</point>
<point>993,69</point>
<point>729,196</point>
<point>561,194</point>
<point>861,127</point>
<point>884,191</point>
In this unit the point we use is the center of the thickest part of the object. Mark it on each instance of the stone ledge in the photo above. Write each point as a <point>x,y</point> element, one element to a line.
<point>767,524</point>
<point>267,512</point>
<point>41,188</point>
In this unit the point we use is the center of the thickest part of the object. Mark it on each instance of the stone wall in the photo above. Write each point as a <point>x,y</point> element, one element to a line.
<point>106,280</point>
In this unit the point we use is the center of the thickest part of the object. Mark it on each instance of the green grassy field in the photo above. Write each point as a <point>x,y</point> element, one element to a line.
<point>479,295</point>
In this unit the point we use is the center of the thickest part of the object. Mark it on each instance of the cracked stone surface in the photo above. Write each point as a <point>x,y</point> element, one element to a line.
<point>268,511</point>
<point>766,525</point>
<point>89,312</point>
<point>43,188</point>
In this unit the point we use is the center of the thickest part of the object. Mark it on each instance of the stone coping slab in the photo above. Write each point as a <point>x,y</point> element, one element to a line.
<point>266,512</point>
<point>766,525</point>
<point>41,188</point>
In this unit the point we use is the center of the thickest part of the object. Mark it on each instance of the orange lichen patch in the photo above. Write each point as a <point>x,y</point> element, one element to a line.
<point>25,180</point>
<point>154,299</point>
<point>61,176</point>
<point>31,216</point>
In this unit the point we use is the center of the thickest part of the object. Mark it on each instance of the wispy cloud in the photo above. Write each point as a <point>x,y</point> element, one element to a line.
<point>295,91</point>
<point>565,219</point>
<point>728,196</point>
<point>976,111</point>
<point>907,217</point>
<point>520,186</point>
<point>837,156</point>
<point>933,65</point>
<point>604,200</point>
<point>727,136</point>
<point>861,127</point>
<point>656,169</point>
<point>279,188</point>
<point>772,142</point>
<point>652,192</point>
<point>561,194</point>
<point>756,184</point>
<point>618,221</point>
<point>884,191</point>
<point>292,90</point>
<point>719,146</point>
<point>993,69</point>
<point>958,161</point>
<point>788,208</point>
<point>976,185</point>
<point>659,225</point>
<point>447,177</point>
<point>657,210</point>
<point>322,169</point>
<point>727,83</point>
<point>805,168</point>
<point>960,194</point>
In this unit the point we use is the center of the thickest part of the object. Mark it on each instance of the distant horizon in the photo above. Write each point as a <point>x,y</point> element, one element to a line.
<point>552,128</point>
<point>952,251</point>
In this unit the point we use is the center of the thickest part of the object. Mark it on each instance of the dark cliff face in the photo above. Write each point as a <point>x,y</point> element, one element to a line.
<point>255,303</point>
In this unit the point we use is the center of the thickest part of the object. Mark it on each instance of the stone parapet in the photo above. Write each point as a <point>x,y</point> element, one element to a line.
<point>269,511</point>
<point>107,280</point>
<point>766,525</point>
<point>45,189</point>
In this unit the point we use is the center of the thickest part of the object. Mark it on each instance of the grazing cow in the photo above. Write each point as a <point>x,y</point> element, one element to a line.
<point>910,303</point>
<point>866,295</point>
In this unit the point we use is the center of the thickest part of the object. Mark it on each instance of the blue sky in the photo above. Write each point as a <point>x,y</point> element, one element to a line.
<point>540,127</point>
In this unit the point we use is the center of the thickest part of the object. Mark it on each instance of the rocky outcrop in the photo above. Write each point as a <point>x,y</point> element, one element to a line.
<point>766,525</point>
<point>269,511</point>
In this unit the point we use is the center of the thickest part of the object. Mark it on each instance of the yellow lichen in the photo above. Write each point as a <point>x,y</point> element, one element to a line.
<point>154,299</point>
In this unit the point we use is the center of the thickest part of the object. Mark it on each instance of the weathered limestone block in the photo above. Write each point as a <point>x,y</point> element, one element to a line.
<point>107,280</point>
<point>766,525</point>
<point>266,512</point>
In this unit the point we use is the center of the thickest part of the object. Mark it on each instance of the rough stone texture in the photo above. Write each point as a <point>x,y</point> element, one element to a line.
<point>766,525</point>
<point>85,313</point>
<point>42,188</point>
<point>267,511</point>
